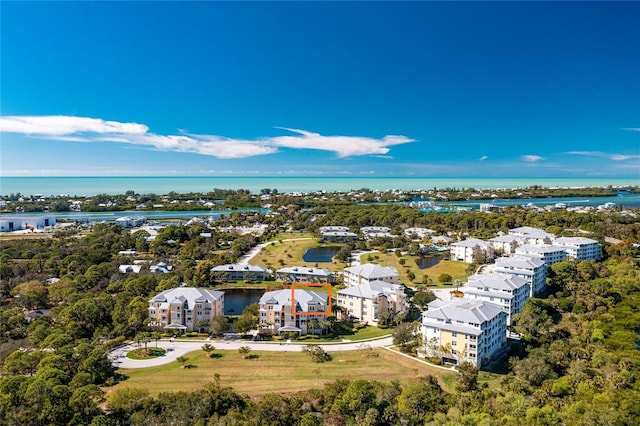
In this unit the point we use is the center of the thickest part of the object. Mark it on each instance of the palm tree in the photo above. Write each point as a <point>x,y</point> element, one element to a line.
<point>313,324</point>
<point>244,351</point>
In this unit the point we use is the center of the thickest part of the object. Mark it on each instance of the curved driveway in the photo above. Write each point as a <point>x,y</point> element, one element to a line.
<point>118,356</point>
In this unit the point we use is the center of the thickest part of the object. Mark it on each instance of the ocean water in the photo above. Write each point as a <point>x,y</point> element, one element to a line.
<point>76,186</point>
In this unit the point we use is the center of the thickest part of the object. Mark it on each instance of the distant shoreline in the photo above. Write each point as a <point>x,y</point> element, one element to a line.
<point>93,185</point>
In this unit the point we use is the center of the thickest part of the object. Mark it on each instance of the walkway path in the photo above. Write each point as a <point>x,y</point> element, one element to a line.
<point>118,356</point>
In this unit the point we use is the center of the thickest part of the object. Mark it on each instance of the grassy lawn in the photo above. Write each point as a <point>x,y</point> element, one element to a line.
<point>290,253</point>
<point>369,332</point>
<point>280,372</point>
<point>152,353</point>
<point>289,235</point>
<point>458,270</point>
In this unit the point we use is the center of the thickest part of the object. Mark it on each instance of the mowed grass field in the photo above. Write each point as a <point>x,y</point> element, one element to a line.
<point>290,253</point>
<point>458,270</point>
<point>277,372</point>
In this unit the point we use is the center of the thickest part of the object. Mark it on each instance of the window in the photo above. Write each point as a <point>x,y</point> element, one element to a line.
<point>454,343</point>
<point>454,334</point>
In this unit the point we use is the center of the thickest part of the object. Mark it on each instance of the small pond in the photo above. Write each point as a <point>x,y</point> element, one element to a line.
<point>236,299</point>
<point>429,261</point>
<point>320,254</point>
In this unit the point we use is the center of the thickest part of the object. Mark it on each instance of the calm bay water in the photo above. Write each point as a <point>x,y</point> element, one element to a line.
<point>75,186</point>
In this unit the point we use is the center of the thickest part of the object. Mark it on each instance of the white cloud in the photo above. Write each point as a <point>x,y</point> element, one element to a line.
<point>532,158</point>
<point>633,129</point>
<point>614,157</point>
<point>343,146</point>
<point>484,157</point>
<point>83,129</point>
<point>52,125</point>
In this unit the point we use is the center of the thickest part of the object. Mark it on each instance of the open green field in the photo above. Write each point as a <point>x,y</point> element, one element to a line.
<point>458,270</point>
<point>276,372</point>
<point>282,253</point>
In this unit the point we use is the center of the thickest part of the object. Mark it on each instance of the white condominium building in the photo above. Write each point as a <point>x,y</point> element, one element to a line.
<point>508,291</point>
<point>548,253</point>
<point>533,235</point>
<point>182,307</point>
<point>580,248</point>
<point>365,302</point>
<point>472,250</point>
<point>531,269</point>
<point>462,330</point>
<point>367,272</point>
<point>302,274</point>
<point>507,244</point>
<point>277,313</point>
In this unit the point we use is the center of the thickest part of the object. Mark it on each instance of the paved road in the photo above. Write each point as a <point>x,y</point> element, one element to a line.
<point>175,349</point>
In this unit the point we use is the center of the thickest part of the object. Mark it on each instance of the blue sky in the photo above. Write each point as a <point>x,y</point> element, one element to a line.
<point>480,89</point>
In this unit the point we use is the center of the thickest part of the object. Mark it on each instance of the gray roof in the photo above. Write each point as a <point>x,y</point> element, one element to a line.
<point>509,239</point>
<point>238,267</point>
<point>539,248</point>
<point>372,289</point>
<point>574,241</point>
<point>519,262</point>
<point>469,311</point>
<point>303,298</point>
<point>372,271</point>
<point>530,232</point>
<point>496,282</point>
<point>303,270</point>
<point>191,295</point>
<point>471,242</point>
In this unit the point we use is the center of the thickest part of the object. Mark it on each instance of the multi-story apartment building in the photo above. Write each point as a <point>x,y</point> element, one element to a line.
<point>367,272</point>
<point>462,330</point>
<point>580,248</point>
<point>533,270</point>
<point>472,250</point>
<point>365,302</point>
<point>548,253</point>
<point>302,274</point>
<point>508,291</point>
<point>239,272</point>
<point>182,307</point>
<point>507,244</point>
<point>418,233</point>
<point>533,235</point>
<point>277,314</point>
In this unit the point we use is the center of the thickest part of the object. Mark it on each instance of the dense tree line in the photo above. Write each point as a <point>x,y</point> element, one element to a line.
<point>578,363</point>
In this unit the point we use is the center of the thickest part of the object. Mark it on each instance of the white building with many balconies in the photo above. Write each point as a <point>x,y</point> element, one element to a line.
<point>508,291</point>
<point>462,330</point>
<point>367,272</point>
<point>531,269</point>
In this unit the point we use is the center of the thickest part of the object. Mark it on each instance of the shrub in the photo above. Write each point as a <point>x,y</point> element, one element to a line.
<point>316,353</point>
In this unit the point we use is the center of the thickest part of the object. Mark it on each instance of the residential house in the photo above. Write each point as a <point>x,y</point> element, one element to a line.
<point>508,291</point>
<point>472,250</point>
<point>279,314</point>
<point>337,236</point>
<point>365,302</point>
<point>131,221</point>
<point>185,308</point>
<point>580,248</point>
<point>127,269</point>
<point>303,274</point>
<point>239,272</point>
<point>367,272</point>
<point>462,330</point>
<point>533,270</point>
